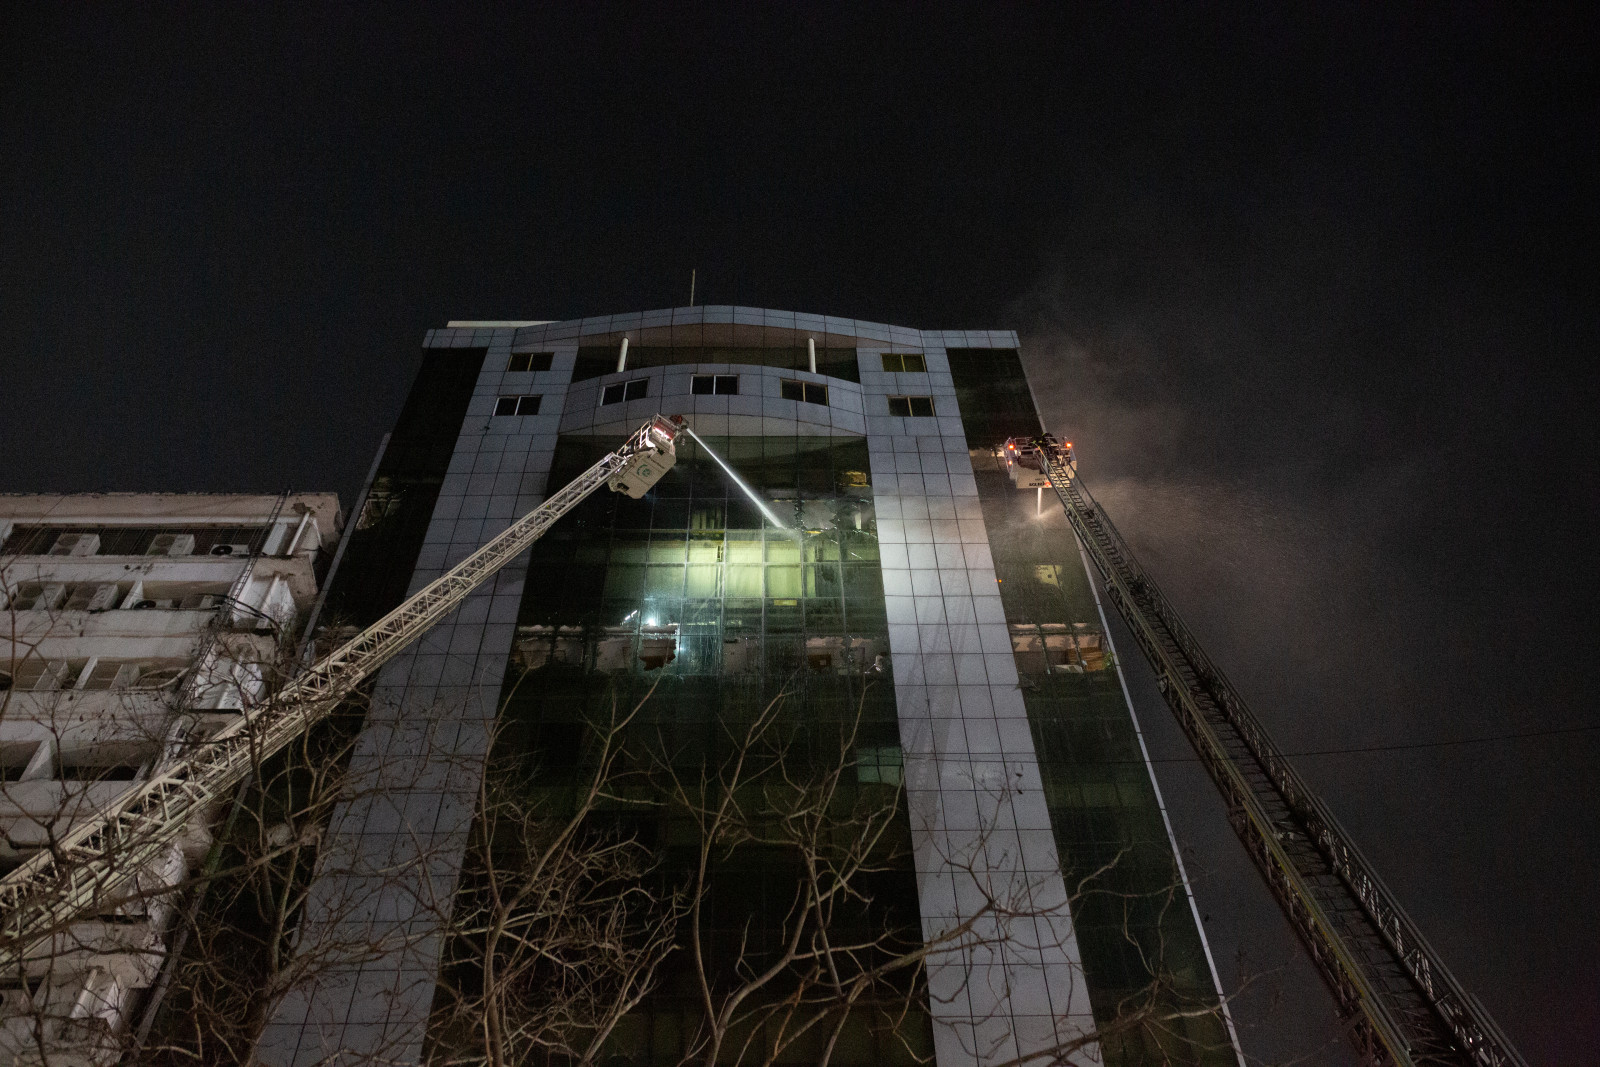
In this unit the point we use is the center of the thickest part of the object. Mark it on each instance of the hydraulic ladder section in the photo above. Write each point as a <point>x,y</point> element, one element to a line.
<point>89,868</point>
<point>1404,1007</point>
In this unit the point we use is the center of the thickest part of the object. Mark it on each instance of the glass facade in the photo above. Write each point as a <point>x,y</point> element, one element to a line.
<point>691,591</point>
<point>1133,921</point>
<point>390,529</point>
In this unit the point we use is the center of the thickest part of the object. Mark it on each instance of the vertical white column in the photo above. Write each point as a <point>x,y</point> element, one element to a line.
<point>811,350</point>
<point>622,357</point>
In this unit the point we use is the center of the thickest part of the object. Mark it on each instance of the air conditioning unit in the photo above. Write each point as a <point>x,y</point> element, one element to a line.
<point>230,550</point>
<point>200,602</point>
<point>76,544</point>
<point>171,544</point>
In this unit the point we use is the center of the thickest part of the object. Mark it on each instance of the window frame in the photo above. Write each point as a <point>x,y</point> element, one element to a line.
<point>517,403</point>
<point>532,362</point>
<point>623,392</point>
<point>808,392</point>
<point>902,360</point>
<point>717,381</point>
<point>910,407</point>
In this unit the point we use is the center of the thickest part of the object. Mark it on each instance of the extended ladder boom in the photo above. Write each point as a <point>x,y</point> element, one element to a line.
<point>85,869</point>
<point>1412,1009</point>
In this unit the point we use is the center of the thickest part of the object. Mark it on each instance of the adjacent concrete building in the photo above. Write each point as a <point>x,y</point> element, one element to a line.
<point>130,625</point>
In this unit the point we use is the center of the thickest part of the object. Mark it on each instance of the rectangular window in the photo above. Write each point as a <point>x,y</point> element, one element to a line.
<point>522,362</point>
<point>617,392</point>
<point>809,392</point>
<point>719,384</point>
<point>911,406</point>
<point>517,405</point>
<point>912,362</point>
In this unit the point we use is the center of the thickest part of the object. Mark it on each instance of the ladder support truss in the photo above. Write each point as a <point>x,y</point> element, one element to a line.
<point>1405,1006</point>
<point>88,869</point>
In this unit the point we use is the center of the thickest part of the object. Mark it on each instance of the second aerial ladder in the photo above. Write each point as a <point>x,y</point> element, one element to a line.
<point>1405,1006</point>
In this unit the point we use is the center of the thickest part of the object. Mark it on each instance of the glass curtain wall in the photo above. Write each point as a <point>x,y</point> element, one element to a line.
<point>1133,922</point>
<point>389,532</point>
<point>690,591</point>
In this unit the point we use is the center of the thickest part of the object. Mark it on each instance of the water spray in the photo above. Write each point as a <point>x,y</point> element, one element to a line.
<point>740,482</point>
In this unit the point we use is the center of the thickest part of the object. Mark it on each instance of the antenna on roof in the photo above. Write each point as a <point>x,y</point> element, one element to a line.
<point>691,286</point>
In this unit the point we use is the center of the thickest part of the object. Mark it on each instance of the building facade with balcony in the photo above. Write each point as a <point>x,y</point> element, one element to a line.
<point>131,624</point>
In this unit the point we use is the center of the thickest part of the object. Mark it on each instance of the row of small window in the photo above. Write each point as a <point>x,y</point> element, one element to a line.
<point>700,385</point>
<point>893,362</point>
<point>717,385</point>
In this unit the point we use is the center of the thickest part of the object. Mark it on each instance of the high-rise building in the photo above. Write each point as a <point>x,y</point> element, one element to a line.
<point>131,624</point>
<point>839,543</point>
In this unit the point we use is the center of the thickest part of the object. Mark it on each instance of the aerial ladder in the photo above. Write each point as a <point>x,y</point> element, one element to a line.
<point>1402,1004</point>
<point>95,865</point>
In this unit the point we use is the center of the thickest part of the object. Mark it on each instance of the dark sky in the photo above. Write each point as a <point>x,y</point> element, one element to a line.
<point>1311,286</point>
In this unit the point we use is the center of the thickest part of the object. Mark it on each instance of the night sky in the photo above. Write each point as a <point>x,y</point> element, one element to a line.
<point>1312,287</point>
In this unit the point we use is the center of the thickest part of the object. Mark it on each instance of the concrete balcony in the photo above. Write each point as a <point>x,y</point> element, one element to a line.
<point>76,717</point>
<point>194,570</point>
<point>130,635</point>
<point>155,634</point>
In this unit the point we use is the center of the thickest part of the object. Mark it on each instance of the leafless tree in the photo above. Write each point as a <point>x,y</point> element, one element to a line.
<point>559,929</point>
<point>568,923</point>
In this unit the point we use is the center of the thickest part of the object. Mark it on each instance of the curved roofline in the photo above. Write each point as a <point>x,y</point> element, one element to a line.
<point>722,324</point>
<point>746,327</point>
<point>715,325</point>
